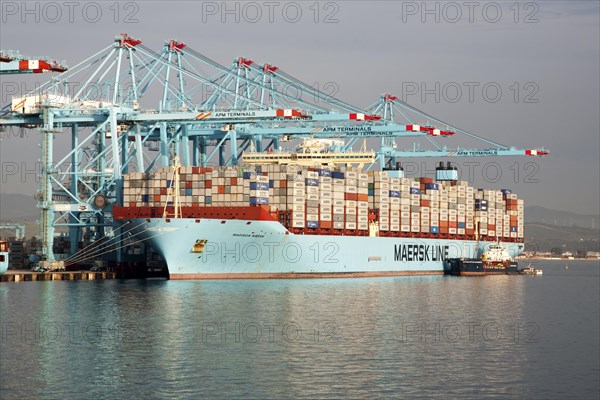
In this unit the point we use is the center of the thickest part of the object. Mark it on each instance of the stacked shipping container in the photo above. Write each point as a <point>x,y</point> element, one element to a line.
<point>313,199</point>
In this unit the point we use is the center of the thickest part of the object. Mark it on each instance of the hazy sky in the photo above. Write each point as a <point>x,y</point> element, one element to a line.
<point>543,55</point>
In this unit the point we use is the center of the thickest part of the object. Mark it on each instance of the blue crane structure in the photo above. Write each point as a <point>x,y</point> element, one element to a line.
<point>129,108</point>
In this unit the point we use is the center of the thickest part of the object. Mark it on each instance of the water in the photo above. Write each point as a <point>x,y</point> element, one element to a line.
<point>407,337</point>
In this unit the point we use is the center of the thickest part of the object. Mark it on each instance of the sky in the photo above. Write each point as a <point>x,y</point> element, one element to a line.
<point>543,56</point>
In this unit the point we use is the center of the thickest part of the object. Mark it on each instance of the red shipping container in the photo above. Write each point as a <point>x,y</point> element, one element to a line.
<point>233,181</point>
<point>188,185</point>
<point>208,184</point>
<point>424,203</point>
<point>163,190</point>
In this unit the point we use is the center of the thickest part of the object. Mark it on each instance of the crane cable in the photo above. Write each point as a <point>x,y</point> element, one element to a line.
<point>96,244</point>
<point>98,249</point>
<point>120,247</point>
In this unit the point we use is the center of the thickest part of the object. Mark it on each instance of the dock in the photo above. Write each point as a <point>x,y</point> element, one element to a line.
<point>30,276</point>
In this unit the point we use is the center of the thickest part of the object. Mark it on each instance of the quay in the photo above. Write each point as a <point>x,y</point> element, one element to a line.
<point>28,276</point>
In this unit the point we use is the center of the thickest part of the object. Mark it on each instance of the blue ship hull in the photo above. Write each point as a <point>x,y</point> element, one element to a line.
<point>240,249</point>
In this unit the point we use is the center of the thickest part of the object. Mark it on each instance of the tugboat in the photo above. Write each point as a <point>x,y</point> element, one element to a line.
<point>3,257</point>
<point>494,261</point>
<point>529,270</point>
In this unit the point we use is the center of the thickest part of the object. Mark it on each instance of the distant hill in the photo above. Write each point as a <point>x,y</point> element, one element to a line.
<point>543,237</point>
<point>561,218</point>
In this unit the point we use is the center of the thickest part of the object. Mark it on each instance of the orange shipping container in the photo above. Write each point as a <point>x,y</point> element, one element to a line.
<point>425,203</point>
<point>363,197</point>
<point>326,224</point>
<point>283,183</point>
<point>221,189</point>
<point>351,196</point>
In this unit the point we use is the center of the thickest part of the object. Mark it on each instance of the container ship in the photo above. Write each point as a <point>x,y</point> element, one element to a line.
<point>313,212</point>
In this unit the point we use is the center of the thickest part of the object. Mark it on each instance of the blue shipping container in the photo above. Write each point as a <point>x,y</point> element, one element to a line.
<point>434,229</point>
<point>207,199</point>
<point>324,172</point>
<point>248,175</point>
<point>337,175</point>
<point>312,182</point>
<point>461,225</point>
<point>414,190</point>
<point>506,191</point>
<point>259,186</point>
<point>169,183</point>
<point>255,201</point>
<point>145,198</point>
<point>513,228</point>
<point>394,193</point>
<point>432,186</point>
<point>312,224</point>
<point>188,192</point>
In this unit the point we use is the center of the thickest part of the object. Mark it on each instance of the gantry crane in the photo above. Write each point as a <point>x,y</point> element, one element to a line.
<point>129,108</point>
<point>11,62</point>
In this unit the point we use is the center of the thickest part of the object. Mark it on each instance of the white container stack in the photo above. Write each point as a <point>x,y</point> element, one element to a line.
<point>342,199</point>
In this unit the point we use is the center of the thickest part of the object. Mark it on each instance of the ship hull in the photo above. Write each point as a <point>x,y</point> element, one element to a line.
<point>477,267</point>
<point>249,249</point>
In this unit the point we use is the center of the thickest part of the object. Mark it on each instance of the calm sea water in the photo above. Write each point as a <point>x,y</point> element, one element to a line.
<point>407,337</point>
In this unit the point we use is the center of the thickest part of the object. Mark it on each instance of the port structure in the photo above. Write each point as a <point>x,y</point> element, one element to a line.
<point>18,228</point>
<point>12,62</point>
<point>129,108</point>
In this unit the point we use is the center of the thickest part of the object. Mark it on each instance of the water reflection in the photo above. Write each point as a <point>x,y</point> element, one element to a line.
<point>331,338</point>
